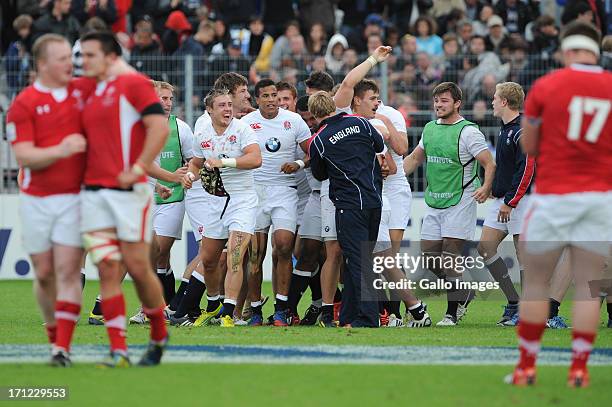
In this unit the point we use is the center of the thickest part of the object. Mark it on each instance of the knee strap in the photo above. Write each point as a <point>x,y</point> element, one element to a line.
<point>102,246</point>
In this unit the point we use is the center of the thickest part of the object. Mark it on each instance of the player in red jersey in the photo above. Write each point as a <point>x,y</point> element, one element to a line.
<point>568,127</point>
<point>44,127</point>
<point>126,128</point>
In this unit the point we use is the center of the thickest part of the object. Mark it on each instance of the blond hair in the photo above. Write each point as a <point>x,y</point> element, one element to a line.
<point>321,105</point>
<point>214,93</point>
<point>513,93</point>
<point>39,49</point>
<point>159,85</point>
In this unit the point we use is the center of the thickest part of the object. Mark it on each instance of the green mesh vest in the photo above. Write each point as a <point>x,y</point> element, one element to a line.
<point>444,171</point>
<point>171,159</point>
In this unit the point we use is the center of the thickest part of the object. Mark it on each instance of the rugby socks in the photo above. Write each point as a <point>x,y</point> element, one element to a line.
<point>180,293</point>
<point>228,307</point>
<point>417,311</point>
<point>281,303</point>
<point>97,309</point>
<point>338,295</point>
<point>609,308</point>
<point>66,317</point>
<point>213,303</point>
<point>256,307</point>
<point>159,333</point>
<point>452,295</point>
<point>113,310</point>
<point>582,345</point>
<point>315,289</point>
<point>554,308</point>
<point>193,295</point>
<point>530,336</point>
<point>51,333</point>
<point>498,269</point>
<point>299,283</point>
<point>327,312</point>
<point>166,277</point>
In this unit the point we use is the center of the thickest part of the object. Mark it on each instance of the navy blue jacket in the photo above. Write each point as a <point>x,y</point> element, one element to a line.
<point>514,171</point>
<point>344,150</point>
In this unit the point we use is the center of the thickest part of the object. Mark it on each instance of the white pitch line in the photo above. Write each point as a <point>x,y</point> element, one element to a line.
<point>321,354</point>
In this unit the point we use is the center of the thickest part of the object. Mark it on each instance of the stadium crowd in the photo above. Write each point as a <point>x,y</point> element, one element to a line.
<point>474,43</point>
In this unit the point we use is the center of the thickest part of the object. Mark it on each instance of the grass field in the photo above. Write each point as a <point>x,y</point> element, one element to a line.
<point>295,383</point>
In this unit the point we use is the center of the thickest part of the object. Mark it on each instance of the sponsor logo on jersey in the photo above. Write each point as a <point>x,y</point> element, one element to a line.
<point>206,144</point>
<point>273,145</point>
<point>508,139</point>
<point>327,228</point>
<point>287,125</point>
<point>200,229</point>
<point>256,126</point>
<point>222,156</point>
<point>40,110</point>
<point>232,139</point>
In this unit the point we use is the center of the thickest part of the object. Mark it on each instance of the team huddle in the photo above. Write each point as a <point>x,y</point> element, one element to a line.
<point>107,167</point>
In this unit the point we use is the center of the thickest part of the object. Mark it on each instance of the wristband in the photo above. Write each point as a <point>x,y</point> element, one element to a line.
<point>191,176</point>
<point>300,163</point>
<point>372,61</point>
<point>138,169</point>
<point>228,162</point>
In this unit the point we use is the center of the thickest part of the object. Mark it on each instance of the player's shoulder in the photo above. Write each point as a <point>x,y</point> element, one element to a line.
<point>182,124</point>
<point>27,97</point>
<point>240,124</point>
<point>83,84</point>
<point>250,117</point>
<point>289,114</point>
<point>132,79</point>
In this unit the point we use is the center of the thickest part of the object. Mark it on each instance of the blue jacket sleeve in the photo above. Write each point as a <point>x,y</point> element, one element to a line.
<point>317,162</point>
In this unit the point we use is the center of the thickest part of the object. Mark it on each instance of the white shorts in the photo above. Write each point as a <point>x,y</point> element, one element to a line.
<point>48,220</point>
<point>301,206</point>
<point>277,207</point>
<point>197,207</point>
<point>514,226</point>
<point>310,227</point>
<point>580,219</point>
<point>457,222</point>
<point>328,219</point>
<point>238,217</point>
<point>168,219</point>
<point>129,212</point>
<point>383,241</point>
<point>400,200</point>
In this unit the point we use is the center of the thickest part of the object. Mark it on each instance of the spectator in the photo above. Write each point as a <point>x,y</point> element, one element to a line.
<point>538,65</point>
<point>83,10</point>
<point>392,38</point>
<point>465,31</point>
<point>123,7</point>
<point>57,21</point>
<point>142,8</point>
<point>335,51</point>
<point>545,35</point>
<point>17,57</point>
<point>259,44</point>
<point>355,13</point>
<point>201,43</point>
<point>427,41</point>
<point>316,43</point>
<point>297,57</point>
<point>404,13</point>
<point>451,61</point>
<point>442,8</point>
<point>281,45</point>
<point>349,60</point>
<point>480,24</point>
<point>516,55</point>
<point>405,80</point>
<point>33,8</point>
<point>451,21</point>
<point>178,29</point>
<point>426,75</point>
<point>374,41</point>
<point>496,33</point>
<point>161,12</point>
<point>485,91</point>
<point>318,11</point>
<point>516,14</point>
<point>235,12</point>
<point>479,63</point>
<point>146,52</point>
<point>590,11</point>
<point>234,61</point>
<point>409,50</point>
<point>473,8</point>
<point>374,24</point>
<point>275,14</point>
<point>222,36</point>
<point>93,24</point>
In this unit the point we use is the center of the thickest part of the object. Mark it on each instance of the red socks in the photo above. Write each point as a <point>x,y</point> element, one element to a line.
<point>530,336</point>
<point>582,345</point>
<point>158,323</point>
<point>66,317</point>
<point>51,333</point>
<point>113,310</point>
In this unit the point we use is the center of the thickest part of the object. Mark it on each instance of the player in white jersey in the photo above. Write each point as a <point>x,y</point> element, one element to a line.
<point>279,132</point>
<point>225,153</point>
<point>167,170</point>
<point>363,99</point>
<point>198,203</point>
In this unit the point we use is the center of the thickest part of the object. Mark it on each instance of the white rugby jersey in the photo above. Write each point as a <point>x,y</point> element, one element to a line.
<point>399,178</point>
<point>278,139</point>
<point>230,144</point>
